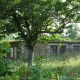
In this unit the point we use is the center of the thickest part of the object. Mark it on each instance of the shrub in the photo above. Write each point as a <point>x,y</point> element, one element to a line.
<point>4,49</point>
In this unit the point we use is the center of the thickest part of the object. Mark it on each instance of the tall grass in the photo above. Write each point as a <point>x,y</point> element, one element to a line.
<point>65,59</point>
<point>69,63</point>
<point>61,67</point>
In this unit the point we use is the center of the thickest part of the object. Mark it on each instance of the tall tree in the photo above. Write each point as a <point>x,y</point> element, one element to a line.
<point>73,33</point>
<point>32,18</point>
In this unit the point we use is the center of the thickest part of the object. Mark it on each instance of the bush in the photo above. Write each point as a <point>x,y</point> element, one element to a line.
<point>55,68</point>
<point>4,49</point>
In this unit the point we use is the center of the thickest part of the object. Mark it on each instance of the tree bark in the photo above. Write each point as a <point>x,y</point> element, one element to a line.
<point>30,56</point>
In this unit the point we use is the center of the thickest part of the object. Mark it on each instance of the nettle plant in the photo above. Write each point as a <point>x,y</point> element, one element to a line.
<point>4,50</point>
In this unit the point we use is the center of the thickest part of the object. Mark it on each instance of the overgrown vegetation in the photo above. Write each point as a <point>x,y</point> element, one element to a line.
<point>4,50</point>
<point>64,67</point>
<point>30,20</point>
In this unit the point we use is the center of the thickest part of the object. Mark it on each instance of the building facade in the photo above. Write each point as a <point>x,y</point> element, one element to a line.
<point>52,48</point>
<point>63,47</point>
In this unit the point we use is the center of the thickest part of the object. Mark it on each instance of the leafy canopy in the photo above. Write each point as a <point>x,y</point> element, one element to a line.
<point>31,19</point>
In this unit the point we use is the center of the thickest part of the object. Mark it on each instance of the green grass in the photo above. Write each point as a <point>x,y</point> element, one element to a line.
<point>64,67</point>
<point>70,64</point>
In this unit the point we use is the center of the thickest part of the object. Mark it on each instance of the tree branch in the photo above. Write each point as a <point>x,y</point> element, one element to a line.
<point>27,24</point>
<point>18,25</point>
<point>58,30</point>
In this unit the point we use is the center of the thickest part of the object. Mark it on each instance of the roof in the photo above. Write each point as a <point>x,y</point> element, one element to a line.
<point>70,42</point>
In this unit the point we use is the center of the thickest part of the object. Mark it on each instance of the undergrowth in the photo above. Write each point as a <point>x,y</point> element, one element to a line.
<point>62,67</point>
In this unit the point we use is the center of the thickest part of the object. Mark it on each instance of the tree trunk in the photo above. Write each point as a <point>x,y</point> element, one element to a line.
<point>30,56</point>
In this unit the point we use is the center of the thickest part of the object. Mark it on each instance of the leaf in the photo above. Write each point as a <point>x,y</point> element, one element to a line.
<point>6,44</point>
<point>59,45</point>
<point>2,69</point>
<point>64,78</point>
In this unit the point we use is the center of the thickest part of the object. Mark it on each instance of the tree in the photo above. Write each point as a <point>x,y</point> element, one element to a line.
<point>73,33</point>
<point>32,18</point>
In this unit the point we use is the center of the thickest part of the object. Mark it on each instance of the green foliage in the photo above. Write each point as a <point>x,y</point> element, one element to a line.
<point>4,49</point>
<point>22,71</point>
<point>73,33</point>
<point>65,67</point>
<point>38,60</point>
<point>31,19</point>
<point>7,77</point>
<point>42,71</point>
<point>2,68</point>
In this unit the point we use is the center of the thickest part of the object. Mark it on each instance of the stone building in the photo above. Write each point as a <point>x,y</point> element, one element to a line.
<point>52,48</point>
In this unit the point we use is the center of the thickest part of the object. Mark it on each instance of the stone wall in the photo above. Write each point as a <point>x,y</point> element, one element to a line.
<point>52,48</point>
